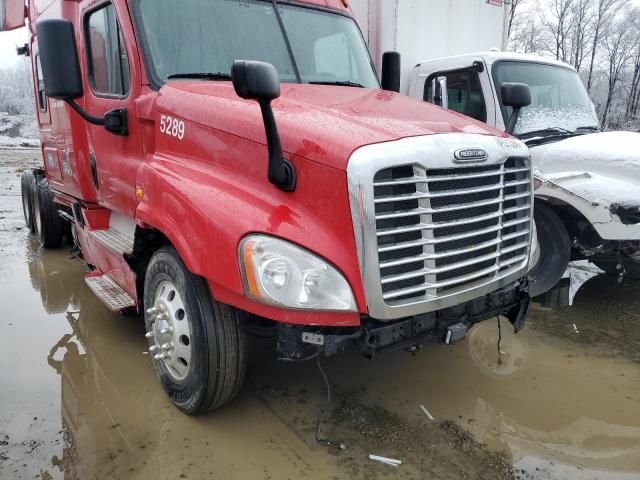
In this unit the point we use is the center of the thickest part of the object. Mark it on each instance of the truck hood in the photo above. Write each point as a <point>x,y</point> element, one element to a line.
<point>597,173</point>
<point>601,167</point>
<point>322,123</point>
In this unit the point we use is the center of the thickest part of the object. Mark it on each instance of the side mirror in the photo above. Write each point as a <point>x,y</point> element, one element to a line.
<point>59,59</point>
<point>440,92</point>
<point>517,96</point>
<point>253,80</point>
<point>391,63</point>
<point>61,73</point>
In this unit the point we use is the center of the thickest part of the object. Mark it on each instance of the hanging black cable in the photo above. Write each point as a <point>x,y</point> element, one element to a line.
<point>287,42</point>
<point>320,438</point>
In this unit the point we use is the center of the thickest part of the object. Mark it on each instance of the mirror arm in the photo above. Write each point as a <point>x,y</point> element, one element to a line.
<point>281,171</point>
<point>513,119</point>
<point>79,110</point>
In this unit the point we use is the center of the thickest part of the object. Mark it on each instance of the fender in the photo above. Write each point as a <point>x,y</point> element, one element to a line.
<point>595,174</point>
<point>195,204</point>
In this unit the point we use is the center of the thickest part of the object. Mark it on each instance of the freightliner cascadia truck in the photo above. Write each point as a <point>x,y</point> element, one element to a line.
<point>230,166</point>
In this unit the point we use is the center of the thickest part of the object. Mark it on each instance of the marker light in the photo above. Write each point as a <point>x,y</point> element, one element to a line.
<point>282,274</point>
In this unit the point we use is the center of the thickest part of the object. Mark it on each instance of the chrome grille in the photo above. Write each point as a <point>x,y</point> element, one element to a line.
<point>440,231</point>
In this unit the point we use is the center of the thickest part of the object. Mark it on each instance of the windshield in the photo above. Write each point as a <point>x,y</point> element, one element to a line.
<point>206,36</point>
<point>558,97</point>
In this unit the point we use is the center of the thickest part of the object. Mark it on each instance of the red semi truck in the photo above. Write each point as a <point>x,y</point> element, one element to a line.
<point>213,200</point>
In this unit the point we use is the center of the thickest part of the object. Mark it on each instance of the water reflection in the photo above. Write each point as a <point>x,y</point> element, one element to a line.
<point>115,420</point>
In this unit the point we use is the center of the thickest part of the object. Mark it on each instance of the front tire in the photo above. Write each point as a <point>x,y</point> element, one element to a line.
<point>555,251</point>
<point>198,345</point>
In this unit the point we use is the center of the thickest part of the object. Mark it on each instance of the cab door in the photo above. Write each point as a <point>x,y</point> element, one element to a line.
<point>469,90</point>
<point>112,81</point>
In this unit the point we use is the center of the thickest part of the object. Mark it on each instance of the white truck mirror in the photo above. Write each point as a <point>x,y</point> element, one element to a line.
<point>440,92</point>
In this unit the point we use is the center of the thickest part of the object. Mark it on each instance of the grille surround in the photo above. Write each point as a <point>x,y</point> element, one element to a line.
<point>401,239</point>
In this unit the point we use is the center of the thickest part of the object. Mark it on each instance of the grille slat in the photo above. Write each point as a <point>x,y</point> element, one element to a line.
<point>443,230</point>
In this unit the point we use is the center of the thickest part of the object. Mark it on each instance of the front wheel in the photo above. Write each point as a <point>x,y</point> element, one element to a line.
<point>554,251</point>
<point>198,345</point>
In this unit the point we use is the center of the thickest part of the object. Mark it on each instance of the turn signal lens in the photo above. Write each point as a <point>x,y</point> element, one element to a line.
<point>279,273</point>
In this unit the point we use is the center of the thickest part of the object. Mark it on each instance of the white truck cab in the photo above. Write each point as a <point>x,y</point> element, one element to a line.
<point>587,181</point>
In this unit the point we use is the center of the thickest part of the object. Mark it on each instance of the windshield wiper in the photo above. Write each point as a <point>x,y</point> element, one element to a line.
<point>593,128</point>
<point>546,131</point>
<point>345,83</point>
<point>202,76</point>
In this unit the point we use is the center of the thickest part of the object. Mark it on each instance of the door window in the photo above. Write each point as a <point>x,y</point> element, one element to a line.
<point>42,97</point>
<point>108,61</point>
<point>464,92</point>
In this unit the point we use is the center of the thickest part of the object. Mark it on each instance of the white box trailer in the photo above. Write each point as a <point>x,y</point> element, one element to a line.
<point>425,29</point>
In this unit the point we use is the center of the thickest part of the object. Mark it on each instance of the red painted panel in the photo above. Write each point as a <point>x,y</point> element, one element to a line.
<point>12,14</point>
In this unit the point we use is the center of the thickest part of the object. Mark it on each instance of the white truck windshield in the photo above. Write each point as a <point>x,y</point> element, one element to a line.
<point>558,97</point>
<point>206,36</point>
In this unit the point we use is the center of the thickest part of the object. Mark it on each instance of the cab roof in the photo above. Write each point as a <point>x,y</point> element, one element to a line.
<point>491,56</point>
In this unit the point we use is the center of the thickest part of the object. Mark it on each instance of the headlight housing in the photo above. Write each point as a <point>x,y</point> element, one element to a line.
<point>279,273</point>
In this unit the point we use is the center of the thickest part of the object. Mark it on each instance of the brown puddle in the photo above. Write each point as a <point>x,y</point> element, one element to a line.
<point>79,400</point>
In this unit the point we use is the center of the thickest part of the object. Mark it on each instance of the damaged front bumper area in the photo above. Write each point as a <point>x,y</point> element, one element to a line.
<point>297,342</point>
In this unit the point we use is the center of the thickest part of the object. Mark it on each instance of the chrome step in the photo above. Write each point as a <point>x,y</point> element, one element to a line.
<point>109,291</point>
<point>114,240</point>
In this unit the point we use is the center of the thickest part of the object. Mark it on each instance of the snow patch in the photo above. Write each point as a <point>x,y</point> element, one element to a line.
<point>540,117</point>
<point>19,130</point>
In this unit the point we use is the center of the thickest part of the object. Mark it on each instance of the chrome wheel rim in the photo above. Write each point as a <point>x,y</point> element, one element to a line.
<point>169,334</point>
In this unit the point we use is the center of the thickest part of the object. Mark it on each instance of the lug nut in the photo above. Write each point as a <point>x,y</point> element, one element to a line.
<point>154,349</point>
<point>149,335</point>
<point>153,311</point>
<point>167,346</point>
<point>161,356</point>
<point>164,331</point>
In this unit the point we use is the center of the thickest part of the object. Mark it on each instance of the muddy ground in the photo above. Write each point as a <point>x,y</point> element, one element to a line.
<point>79,400</point>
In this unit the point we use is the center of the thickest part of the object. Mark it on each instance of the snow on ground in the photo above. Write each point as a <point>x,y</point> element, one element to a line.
<point>18,131</point>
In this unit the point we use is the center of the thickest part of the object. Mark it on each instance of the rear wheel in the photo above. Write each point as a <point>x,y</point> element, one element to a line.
<point>49,226</point>
<point>198,345</point>
<point>28,185</point>
<point>554,251</point>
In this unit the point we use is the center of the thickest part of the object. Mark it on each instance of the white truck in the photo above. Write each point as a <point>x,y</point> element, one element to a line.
<point>587,181</point>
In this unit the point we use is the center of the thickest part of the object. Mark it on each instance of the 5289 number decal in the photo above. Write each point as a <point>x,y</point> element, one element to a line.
<point>172,126</point>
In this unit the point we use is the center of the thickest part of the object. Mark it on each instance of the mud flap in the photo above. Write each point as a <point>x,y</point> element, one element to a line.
<point>518,314</point>
<point>558,296</point>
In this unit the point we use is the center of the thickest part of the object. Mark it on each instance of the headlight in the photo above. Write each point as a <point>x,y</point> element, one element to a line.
<point>280,273</point>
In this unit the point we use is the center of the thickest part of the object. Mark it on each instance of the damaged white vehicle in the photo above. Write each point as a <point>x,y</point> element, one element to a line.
<point>587,182</point>
<point>591,185</point>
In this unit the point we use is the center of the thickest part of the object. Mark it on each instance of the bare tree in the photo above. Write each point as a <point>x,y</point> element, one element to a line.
<point>633,100</point>
<point>527,34</point>
<point>559,23</point>
<point>605,11</point>
<point>618,46</point>
<point>511,12</point>
<point>582,14</point>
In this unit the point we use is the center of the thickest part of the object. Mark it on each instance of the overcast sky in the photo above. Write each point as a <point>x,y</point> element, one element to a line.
<point>9,40</point>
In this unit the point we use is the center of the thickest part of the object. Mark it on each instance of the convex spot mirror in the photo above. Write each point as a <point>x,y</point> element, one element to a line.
<point>59,59</point>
